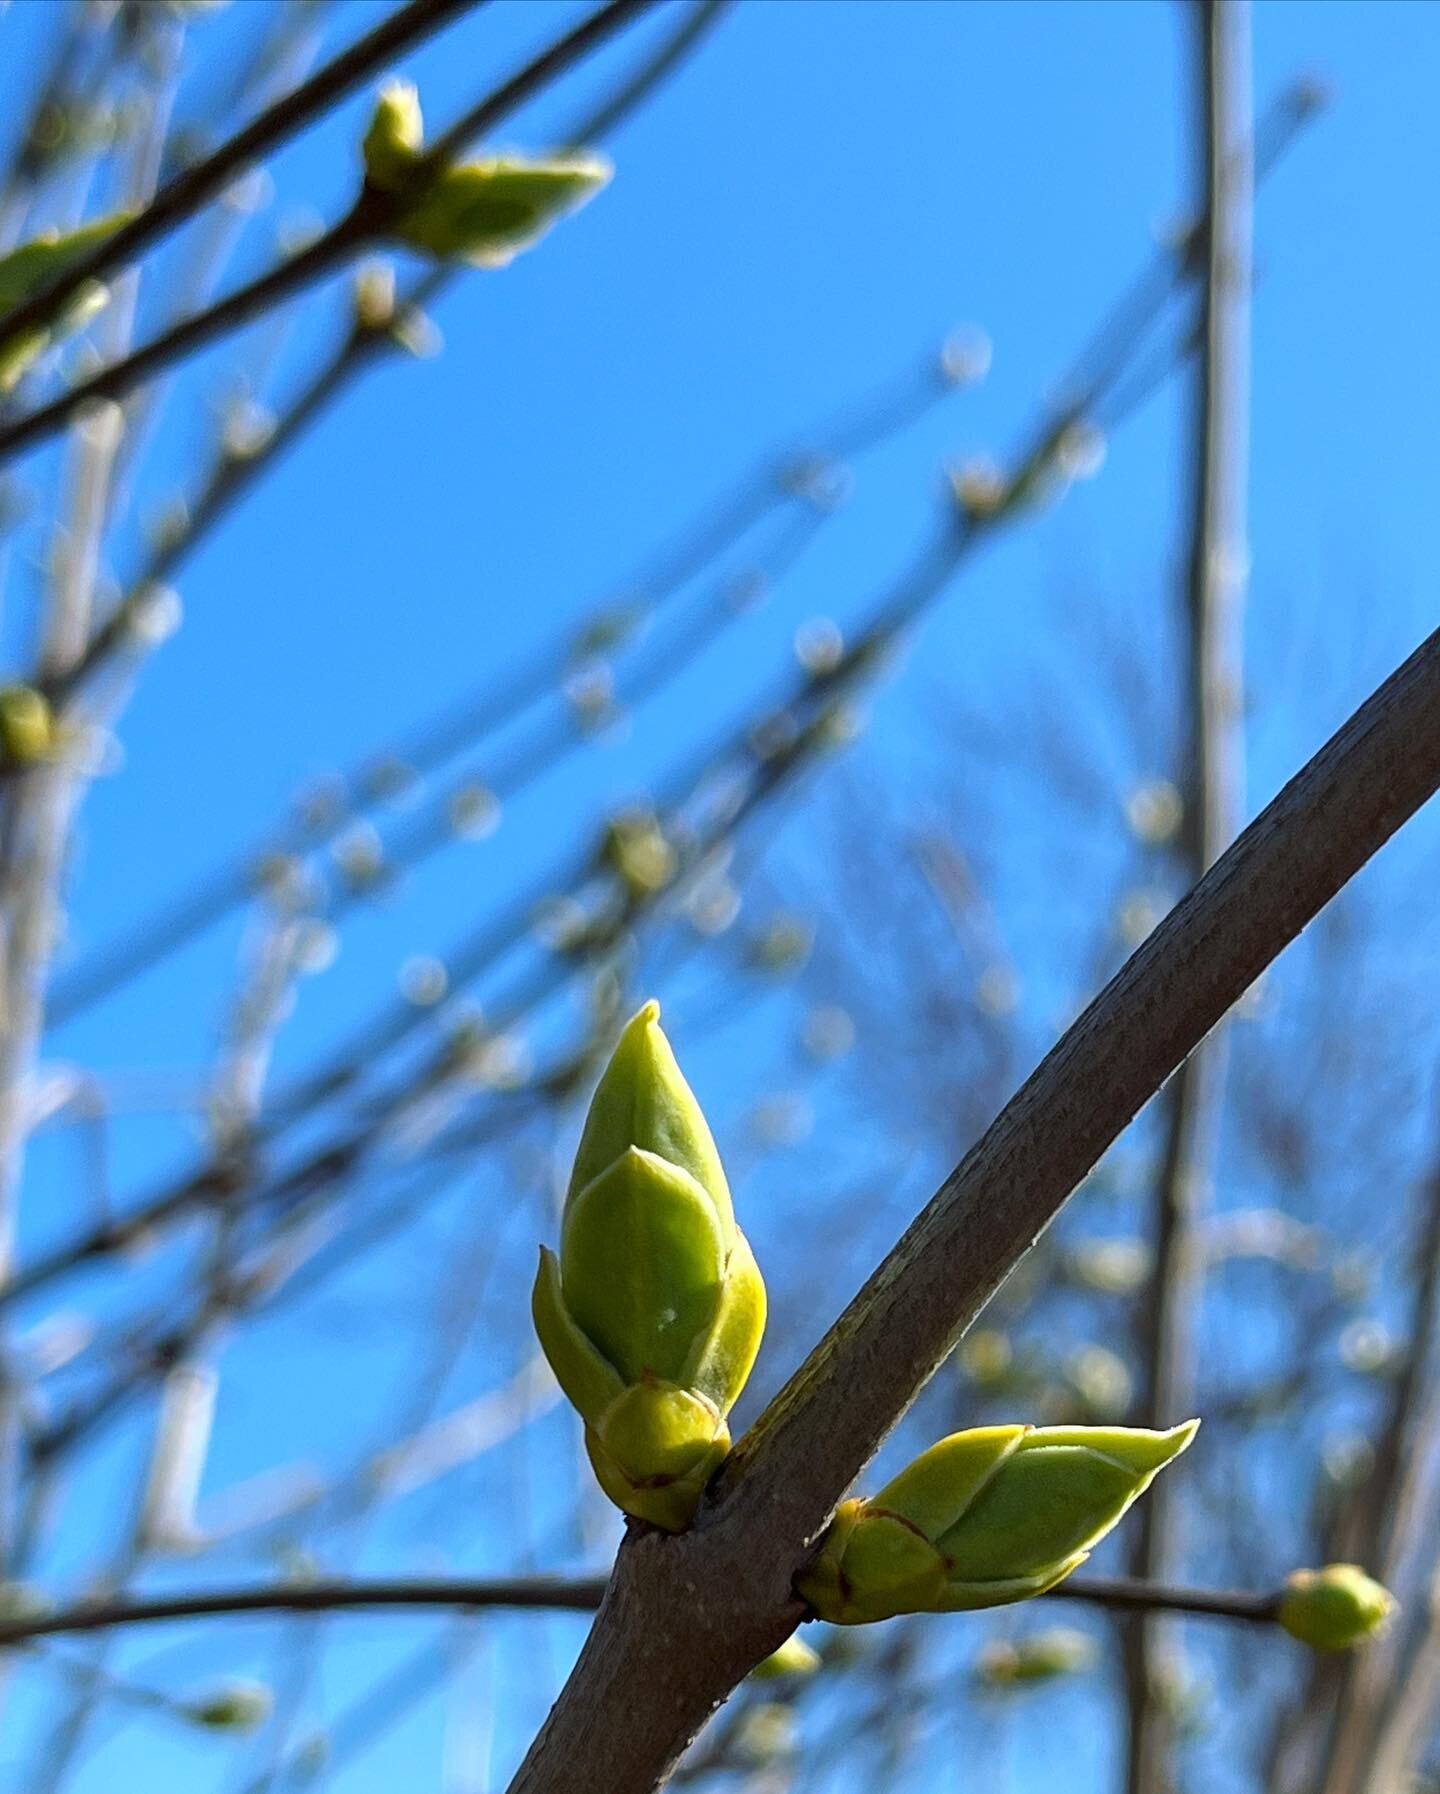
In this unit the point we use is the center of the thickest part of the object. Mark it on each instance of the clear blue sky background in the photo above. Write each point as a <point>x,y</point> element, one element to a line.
<point>802,213</point>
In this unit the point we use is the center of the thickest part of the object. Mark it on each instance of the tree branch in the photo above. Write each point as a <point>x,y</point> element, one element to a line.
<point>183,196</point>
<point>580,1594</point>
<point>685,1618</point>
<point>1211,784</point>
<point>368,219</point>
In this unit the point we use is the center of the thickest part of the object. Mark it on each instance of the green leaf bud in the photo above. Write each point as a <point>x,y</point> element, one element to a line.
<point>651,1315</point>
<point>28,270</point>
<point>27,725</point>
<point>794,1658</point>
<point>1334,1608</point>
<point>1041,1657</point>
<point>486,212</point>
<point>985,1517</point>
<point>238,1706</point>
<point>391,144</point>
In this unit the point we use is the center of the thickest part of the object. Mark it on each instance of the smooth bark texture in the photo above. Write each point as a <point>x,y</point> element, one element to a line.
<point>685,1618</point>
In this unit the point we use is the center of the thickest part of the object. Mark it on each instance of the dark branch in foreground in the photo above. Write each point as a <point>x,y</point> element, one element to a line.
<point>685,1619</point>
<point>541,1593</point>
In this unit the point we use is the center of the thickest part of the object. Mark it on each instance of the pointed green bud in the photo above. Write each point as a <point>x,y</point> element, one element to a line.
<point>486,212</point>
<point>392,142</point>
<point>27,725</point>
<point>651,1315</point>
<point>985,1517</point>
<point>29,270</point>
<point>642,1100</point>
<point>794,1658</point>
<point>1334,1608</point>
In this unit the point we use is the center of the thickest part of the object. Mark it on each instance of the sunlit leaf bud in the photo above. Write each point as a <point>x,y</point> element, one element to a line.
<point>1040,1657</point>
<point>783,945</point>
<point>794,1658</point>
<point>1115,1267</point>
<point>979,488</point>
<point>1155,812</point>
<point>767,1733</point>
<point>374,295</point>
<point>638,851</point>
<point>1334,1608</point>
<point>29,269</point>
<point>985,1517</point>
<point>965,356</point>
<point>391,144</point>
<point>486,212</point>
<point>652,1313</point>
<point>236,1707</point>
<point>27,725</point>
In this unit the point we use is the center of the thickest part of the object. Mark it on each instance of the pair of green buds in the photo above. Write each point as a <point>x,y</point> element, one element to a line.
<point>651,1318</point>
<point>484,212</point>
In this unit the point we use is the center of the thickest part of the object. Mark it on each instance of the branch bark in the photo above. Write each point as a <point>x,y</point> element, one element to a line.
<point>685,1618</point>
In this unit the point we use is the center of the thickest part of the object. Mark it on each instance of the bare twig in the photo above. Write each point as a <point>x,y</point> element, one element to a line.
<point>1212,792</point>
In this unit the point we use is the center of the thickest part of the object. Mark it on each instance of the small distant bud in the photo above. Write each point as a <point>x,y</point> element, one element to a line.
<point>237,1707</point>
<point>416,333</point>
<point>979,488</point>
<point>1334,1608</point>
<point>652,1313</point>
<point>374,295</point>
<point>392,141</point>
<point>1080,452</point>
<point>986,1517</point>
<point>28,731</point>
<point>607,630</point>
<point>155,613</point>
<point>819,645</point>
<point>965,356</point>
<point>794,1658</point>
<point>766,1733</point>
<point>1155,812</point>
<point>474,812</point>
<point>820,480</point>
<point>1040,1657</point>
<point>1102,1381</point>
<point>638,851</point>
<point>423,980</point>
<point>986,1356</point>
<point>359,856</point>
<point>1113,1267</point>
<point>829,1032</point>
<point>783,945</point>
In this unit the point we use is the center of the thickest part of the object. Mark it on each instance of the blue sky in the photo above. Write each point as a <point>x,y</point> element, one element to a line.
<point>805,211</point>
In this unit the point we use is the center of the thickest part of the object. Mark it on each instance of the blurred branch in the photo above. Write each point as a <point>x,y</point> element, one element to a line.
<point>180,198</point>
<point>1212,793</point>
<point>367,221</point>
<point>577,1593</point>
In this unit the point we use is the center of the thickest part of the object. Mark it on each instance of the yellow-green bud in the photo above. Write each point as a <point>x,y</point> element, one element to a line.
<point>986,1517</point>
<point>652,1313</point>
<point>1334,1608</point>
<point>1040,1657</point>
<point>236,1707</point>
<point>29,270</point>
<point>27,725</point>
<point>486,212</point>
<point>794,1658</point>
<point>391,145</point>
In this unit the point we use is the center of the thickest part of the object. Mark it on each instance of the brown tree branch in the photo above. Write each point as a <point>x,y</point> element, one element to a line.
<point>685,1618</point>
<point>581,1594</point>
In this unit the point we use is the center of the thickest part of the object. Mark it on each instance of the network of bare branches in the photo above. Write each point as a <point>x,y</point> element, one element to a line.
<point>288,1495</point>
